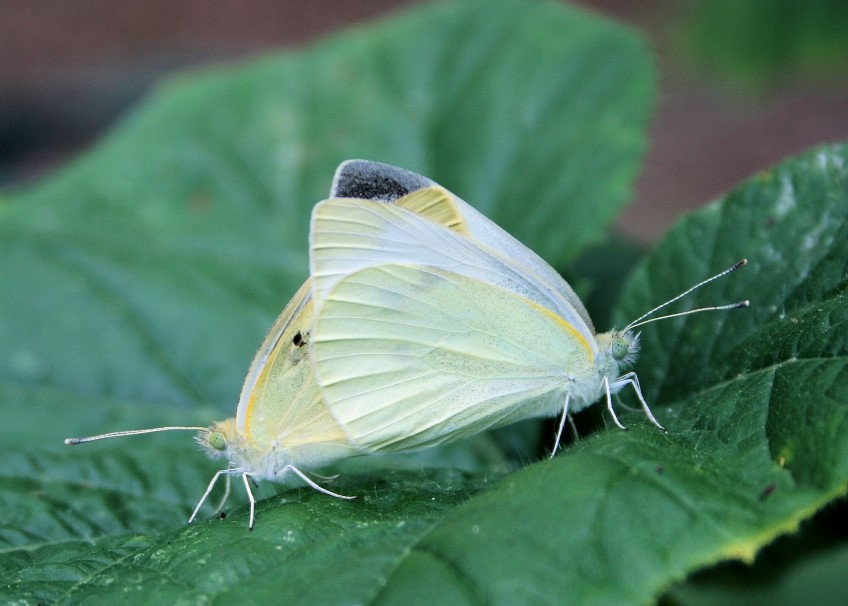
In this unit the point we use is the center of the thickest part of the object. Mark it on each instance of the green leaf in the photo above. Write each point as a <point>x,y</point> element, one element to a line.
<point>85,546</point>
<point>138,281</point>
<point>117,271</point>
<point>617,518</point>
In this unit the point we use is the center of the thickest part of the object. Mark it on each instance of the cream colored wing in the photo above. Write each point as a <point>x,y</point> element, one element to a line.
<point>280,402</point>
<point>409,356</point>
<point>376,181</point>
<point>349,235</point>
<point>483,230</point>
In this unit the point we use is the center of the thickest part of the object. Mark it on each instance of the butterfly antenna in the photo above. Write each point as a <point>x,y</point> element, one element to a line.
<point>131,432</point>
<point>639,321</point>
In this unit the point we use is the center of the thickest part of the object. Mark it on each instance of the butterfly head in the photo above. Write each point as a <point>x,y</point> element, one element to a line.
<point>217,440</point>
<point>618,349</point>
<point>624,347</point>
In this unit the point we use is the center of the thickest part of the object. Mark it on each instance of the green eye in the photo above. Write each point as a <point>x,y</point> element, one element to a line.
<point>217,440</point>
<point>619,347</point>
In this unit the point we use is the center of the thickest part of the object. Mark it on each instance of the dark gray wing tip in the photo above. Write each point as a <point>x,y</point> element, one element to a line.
<point>369,180</point>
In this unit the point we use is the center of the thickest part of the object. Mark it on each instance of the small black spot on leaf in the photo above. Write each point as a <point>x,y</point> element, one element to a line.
<point>766,492</point>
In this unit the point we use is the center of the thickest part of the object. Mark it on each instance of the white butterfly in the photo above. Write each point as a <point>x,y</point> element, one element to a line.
<point>424,335</point>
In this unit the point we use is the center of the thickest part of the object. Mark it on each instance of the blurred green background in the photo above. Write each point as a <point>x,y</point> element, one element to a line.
<point>743,83</point>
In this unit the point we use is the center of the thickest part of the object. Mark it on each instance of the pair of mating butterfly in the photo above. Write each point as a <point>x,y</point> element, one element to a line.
<point>423,322</point>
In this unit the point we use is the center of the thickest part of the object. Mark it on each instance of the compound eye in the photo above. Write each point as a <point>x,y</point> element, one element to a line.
<point>217,440</point>
<point>620,347</point>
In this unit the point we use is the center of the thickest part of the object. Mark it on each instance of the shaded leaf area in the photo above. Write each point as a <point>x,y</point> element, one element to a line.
<point>806,567</point>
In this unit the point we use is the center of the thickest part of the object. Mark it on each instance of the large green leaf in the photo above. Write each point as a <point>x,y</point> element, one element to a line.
<point>115,271</point>
<point>757,442</point>
<point>136,283</point>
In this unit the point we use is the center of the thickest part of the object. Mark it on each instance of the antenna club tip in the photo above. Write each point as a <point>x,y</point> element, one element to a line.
<point>745,303</point>
<point>741,263</point>
<point>72,441</point>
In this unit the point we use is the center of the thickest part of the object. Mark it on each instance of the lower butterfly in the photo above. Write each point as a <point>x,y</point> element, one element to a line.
<point>423,323</point>
<point>282,425</point>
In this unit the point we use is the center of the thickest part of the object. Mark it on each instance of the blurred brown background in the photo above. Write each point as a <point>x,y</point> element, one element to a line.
<point>738,90</point>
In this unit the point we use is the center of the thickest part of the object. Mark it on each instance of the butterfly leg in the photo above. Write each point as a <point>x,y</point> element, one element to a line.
<point>631,378</point>
<point>208,490</point>
<point>561,425</point>
<point>574,433</point>
<point>326,478</point>
<point>303,477</point>
<point>609,403</point>
<point>227,484</point>
<point>244,478</point>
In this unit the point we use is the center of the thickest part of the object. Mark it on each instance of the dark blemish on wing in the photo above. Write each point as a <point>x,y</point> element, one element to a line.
<point>297,351</point>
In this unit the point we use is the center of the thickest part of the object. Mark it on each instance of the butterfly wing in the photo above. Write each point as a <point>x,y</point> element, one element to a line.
<point>349,235</point>
<point>376,181</point>
<point>280,403</point>
<point>424,335</point>
<point>483,230</point>
<point>411,356</point>
<point>367,180</point>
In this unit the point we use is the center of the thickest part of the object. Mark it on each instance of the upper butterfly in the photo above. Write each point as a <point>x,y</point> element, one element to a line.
<point>424,335</point>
